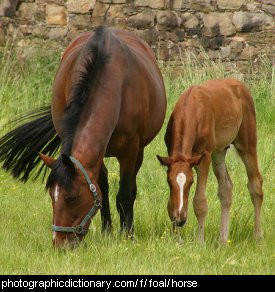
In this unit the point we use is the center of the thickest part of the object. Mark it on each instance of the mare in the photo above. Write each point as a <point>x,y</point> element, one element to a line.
<point>108,101</point>
<point>206,120</point>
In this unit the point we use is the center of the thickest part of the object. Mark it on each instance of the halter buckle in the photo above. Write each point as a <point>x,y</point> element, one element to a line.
<point>97,203</point>
<point>92,188</point>
<point>80,230</point>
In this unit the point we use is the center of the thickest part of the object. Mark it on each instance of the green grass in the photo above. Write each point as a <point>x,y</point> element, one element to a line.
<point>26,212</point>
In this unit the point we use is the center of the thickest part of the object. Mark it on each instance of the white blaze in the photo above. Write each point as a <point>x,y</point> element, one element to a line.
<point>181,179</point>
<point>56,194</point>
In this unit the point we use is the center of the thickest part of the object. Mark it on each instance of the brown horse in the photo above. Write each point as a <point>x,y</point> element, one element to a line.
<point>108,101</point>
<point>205,121</point>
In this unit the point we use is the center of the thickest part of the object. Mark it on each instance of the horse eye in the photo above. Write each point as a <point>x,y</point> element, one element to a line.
<point>71,199</point>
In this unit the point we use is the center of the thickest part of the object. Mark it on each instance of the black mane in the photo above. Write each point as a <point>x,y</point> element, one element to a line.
<point>93,57</point>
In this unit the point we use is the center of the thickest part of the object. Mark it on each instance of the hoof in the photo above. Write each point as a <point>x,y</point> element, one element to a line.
<point>259,237</point>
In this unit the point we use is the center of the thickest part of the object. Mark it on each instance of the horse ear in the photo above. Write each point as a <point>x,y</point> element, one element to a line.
<point>48,160</point>
<point>164,160</point>
<point>68,163</point>
<point>195,160</point>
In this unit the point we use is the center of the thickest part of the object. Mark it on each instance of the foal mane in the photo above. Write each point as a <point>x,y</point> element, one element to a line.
<point>93,57</point>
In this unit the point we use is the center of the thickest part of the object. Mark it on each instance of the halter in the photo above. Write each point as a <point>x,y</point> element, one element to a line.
<point>80,229</point>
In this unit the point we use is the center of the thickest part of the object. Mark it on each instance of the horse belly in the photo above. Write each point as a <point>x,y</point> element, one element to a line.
<point>156,119</point>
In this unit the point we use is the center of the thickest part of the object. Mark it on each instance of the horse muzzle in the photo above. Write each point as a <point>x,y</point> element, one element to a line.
<point>179,222</point>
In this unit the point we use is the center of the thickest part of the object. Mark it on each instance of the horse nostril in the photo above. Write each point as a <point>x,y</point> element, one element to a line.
<point>180,222</point>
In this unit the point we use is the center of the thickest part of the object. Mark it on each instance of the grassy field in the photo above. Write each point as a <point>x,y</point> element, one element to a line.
<point>26,212</point>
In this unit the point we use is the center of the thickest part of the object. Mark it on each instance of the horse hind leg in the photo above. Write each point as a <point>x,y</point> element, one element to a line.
<point>105,211</point>
<point>254,185</point>
<point>225,187</point>
<point>255,188</point>
<point>246,147</point>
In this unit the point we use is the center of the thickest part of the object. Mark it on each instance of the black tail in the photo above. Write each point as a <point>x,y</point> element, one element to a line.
<point>19,148</point>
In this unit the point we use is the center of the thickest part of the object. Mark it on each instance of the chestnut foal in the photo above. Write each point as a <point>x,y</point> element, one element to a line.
<point>205,121</point>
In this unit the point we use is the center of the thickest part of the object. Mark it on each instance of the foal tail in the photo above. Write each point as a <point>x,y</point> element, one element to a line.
<point>19,148</point>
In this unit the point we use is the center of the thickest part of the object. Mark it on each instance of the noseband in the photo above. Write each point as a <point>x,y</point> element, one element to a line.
<point>80,229</point>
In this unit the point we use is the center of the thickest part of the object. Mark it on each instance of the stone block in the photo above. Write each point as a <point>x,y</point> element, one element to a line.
<point>8,7</point>
<point>212,43</point>
<point>225,52</point>
<point>250,21</point>
<point>149,35</point>
<point>190,20</point>
<point>56,14</point>
<point>115,11</point>
<point>80,6</point>
<point>230,4</point>
<point>270,9</point>
<point>156,4</point>
<point>168,20</point>
<point>198,5</point>
<point>143,20</point>
<point>58,33</point>
<point>27,10</point>
<point>100,9</point>
<point>113,1</point>
<point>217,24</point>
<point>80,21</point>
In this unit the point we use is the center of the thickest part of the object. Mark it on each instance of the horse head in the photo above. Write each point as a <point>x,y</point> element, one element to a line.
<point>180,180</point>
<point>75,199</point>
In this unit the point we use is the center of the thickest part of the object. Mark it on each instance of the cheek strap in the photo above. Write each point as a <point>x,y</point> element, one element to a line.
<point>80,229</point>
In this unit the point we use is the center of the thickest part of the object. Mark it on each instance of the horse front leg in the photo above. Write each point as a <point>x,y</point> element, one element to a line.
<point>224,192</point>
<point>130,164</point>
<point>200,201</point>
<point>105,211</point>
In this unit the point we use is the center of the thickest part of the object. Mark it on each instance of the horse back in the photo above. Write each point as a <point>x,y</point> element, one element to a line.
<point>144,86</point>
<point>139,83</point>
<point>229,97</point>
<point>215,109</point>
<point>65,78</point>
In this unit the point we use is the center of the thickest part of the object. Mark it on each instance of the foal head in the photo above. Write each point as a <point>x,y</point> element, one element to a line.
<point>72,201</point>
<point>180,179</point>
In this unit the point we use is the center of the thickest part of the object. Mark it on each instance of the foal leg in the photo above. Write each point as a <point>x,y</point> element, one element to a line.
<point>254,185</point>
<point>130,163</point>
<point>105,211</point>
<point>200,201</point>
<point>246,145</point>
<point>224,192</point>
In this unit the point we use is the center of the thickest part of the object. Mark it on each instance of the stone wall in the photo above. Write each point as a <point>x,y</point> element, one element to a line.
<point>233,30</point>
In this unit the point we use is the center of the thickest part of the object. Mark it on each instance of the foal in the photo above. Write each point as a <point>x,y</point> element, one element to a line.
<point>205,121</point>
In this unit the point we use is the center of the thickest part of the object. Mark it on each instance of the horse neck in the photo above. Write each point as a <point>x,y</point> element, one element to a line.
<point>97,121</point>
<point>101,112</point>
<point>183,140</point>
